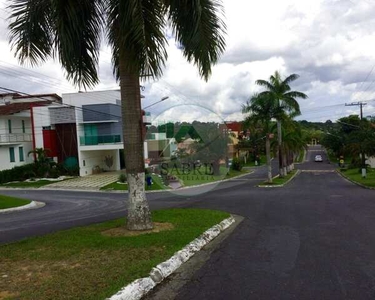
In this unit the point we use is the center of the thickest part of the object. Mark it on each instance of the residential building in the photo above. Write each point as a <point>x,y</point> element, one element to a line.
<point>16,126</point>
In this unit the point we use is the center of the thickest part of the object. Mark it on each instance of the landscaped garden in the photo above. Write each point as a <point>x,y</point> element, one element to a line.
<point>94,262</point>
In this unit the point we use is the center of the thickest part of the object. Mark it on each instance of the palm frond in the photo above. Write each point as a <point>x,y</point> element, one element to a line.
<point>135,31</point>
<point>30,29</point>
<point>295,94</point>
<point>78,27</point>
<point>265,83</point>
<point>200,30</point>
<point>290,78</point>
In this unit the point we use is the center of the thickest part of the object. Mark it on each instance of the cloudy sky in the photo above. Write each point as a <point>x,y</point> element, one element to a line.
<point>329,43</point>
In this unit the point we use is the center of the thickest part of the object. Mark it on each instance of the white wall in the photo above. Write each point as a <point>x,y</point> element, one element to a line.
<point>86,98</point>
<point>371,161</point>
<point>5,163</point>
<point>90,159</point>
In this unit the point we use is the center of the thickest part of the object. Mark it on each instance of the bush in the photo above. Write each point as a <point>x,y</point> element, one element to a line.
<point>122,178</point>
<point>236,164</point>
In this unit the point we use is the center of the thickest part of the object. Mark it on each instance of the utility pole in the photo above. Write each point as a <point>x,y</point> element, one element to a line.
<point>363,159</point>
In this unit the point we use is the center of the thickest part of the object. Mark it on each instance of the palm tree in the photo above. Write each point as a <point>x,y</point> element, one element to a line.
<point>71,31</point>
<point>260,110</point>
<point>280,92</point>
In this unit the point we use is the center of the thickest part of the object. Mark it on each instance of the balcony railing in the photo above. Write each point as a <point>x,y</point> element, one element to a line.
<point>15,138</point>
<point>99,140</point>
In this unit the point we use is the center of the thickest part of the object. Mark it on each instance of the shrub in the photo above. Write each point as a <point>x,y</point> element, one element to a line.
<point>122,178</point>
<point>236,164</point>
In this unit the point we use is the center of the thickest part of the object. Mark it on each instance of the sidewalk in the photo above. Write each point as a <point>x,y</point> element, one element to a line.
<point>90,182</point>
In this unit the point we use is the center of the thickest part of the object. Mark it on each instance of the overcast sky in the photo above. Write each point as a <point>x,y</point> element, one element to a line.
<point>329,43</point>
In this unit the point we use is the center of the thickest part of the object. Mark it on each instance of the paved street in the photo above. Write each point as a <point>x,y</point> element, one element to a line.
<point>313,239</point>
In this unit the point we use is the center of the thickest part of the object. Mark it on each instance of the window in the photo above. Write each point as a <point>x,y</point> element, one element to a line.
<point>11,154</point>
<point>20,149</point>
<point>10,126</point>
<point>23,126</point>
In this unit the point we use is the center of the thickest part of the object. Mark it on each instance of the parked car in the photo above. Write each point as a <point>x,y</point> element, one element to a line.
<point>318,158</point>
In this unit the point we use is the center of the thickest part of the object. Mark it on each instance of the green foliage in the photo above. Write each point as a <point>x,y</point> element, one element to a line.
<point>122,178</point>
<point>237,164</point>
<point>135,31</point>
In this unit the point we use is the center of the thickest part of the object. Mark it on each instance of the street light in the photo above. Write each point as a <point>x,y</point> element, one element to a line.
<point>161,100</point>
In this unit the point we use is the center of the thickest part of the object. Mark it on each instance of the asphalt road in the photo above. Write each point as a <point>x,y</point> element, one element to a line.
<point>66,209</point>
<point>313,239</point>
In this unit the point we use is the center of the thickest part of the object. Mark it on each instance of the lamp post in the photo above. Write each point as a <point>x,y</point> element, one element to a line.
<point>161,100</point>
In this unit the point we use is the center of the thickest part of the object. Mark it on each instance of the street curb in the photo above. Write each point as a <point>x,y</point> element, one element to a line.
<point>120,192</point>
<point>140,287</point>
<point>280,185</point>
<point>356,183</point>
<point>31,205</point>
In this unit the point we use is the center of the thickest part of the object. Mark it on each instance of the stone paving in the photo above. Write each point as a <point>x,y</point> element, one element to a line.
<point>90,182</point>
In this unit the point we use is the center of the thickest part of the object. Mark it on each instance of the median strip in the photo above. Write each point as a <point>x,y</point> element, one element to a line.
<point>280,181</point>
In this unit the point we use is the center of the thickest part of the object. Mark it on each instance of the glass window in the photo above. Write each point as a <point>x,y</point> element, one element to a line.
<point>11,154</point>
<point>23,126</point>
<point>21,154</point>
<point>10,126</point>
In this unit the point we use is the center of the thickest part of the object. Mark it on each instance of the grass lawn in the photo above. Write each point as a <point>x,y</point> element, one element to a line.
<point>190,180</point>
<point>9,202</point>
<point>356,175</point>
<point>157,185</point>
<point>280,180</point>
<point>83,263</point>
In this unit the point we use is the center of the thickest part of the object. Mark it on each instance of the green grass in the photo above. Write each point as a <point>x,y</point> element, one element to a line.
<point>157,185</point>
<point>9,202</point>
<point>191,179</point>
<point>82,263</point>
<point>280,180</point>
<point>356,175</point>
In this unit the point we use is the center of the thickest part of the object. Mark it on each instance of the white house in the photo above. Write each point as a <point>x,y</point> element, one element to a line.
<point>16,127</point>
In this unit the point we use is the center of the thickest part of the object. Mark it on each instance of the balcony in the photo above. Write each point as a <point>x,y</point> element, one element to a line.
<point>15,138</point>
<point>99,140</point>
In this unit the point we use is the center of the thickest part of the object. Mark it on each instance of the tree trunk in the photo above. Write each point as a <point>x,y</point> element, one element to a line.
<point>139,217</point>
<point>268,155</point>
<point>279,140</point>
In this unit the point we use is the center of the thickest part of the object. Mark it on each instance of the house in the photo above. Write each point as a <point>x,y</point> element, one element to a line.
<point>235,131</point>
<point>17,128</point>
<point>98,129</point>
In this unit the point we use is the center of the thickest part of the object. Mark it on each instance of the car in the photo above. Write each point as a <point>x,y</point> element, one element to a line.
<point>318,158</point>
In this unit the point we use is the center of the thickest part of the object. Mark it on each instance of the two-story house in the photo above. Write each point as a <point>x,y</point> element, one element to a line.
<point>16,127</point>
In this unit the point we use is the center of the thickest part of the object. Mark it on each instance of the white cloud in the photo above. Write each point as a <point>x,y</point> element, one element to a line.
<point>328,42</point>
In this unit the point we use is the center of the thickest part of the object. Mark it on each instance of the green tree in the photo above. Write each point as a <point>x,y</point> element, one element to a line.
<point>72,30</point>
<point>279,91</point>
<point>260,109</point>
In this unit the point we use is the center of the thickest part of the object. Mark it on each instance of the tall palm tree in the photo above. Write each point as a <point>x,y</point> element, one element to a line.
<point>71,31</point>
<point>279,91</point>
<point>260,110</point>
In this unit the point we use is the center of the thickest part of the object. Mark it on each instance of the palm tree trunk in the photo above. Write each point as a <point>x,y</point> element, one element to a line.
<point>268,155</point>
<point>279,140</point>
<point>139,217</point>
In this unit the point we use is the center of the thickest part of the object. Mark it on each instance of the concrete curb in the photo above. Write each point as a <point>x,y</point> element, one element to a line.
<point>280,185</point>
<point>140,287</point>
<point>32,205</point>
<point>355,182</point>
